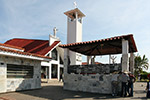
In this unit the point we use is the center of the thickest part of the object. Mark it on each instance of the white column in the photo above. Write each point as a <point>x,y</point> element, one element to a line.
<point>125,58</point>
<point>50,71</point>
<point>46,72</point>
<point>88,60</point>
<point>81,21</point>
<point>93,60</point>
<point>58,72</point>
<point>109,59</point>
<point>58,67</point>
<point>132,63</point>
<point>76,16</point>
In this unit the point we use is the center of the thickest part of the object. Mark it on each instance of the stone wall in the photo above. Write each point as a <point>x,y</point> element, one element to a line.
<point>90,78</point>
<point>94,68</point>
<point>22,84</point>
<point>96,83</point>
<point>16,84</point>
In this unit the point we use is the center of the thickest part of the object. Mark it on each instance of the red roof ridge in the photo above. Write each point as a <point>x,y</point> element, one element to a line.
<point>11,46</point>
<point>25,39</point>
<point>23,53</point>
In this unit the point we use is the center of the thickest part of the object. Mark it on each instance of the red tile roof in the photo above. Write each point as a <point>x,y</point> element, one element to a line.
<point>33,46</point>
<point>88,42</point>
<point>11,46</point>
<point>111,45</point>
<point>22,53</point>
<point>46,50</point>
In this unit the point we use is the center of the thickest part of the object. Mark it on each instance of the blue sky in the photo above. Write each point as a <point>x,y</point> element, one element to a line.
<point>35,19</point>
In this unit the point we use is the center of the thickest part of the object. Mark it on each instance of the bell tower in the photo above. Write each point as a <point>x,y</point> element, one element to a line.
<point>74,33</point>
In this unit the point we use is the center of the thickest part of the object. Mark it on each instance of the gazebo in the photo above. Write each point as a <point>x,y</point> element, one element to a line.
<point>96,78</point>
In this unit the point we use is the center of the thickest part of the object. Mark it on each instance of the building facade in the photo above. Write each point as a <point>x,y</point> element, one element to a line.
<point>19,70</point>
<point>52,69</point>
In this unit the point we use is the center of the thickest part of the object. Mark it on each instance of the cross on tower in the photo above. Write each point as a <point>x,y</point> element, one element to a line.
<point>55,31</point>
<point>75,4</point>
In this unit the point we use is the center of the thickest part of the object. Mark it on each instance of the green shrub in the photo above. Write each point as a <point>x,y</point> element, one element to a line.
<point>144,75</point>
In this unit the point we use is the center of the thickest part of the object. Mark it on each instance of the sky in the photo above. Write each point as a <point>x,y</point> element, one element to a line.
<point>35,19</point>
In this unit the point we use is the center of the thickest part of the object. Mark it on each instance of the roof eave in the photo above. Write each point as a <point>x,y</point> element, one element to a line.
<point>133,41</point>
<point>23,56</point>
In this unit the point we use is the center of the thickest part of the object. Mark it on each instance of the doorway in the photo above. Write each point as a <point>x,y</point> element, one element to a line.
<point>61,73</point>
<point>44,72</point>
<point>54,70</point>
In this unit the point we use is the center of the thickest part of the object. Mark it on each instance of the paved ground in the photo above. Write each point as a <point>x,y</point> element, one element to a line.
<point>54,91</point>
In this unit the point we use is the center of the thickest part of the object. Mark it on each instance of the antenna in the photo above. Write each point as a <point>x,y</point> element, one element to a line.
<point>75,4</point>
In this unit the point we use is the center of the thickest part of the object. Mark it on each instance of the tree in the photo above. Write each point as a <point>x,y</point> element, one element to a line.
<point>140,63</point>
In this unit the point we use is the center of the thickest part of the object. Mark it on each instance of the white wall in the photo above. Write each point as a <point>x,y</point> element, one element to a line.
<point>74,35</point>
<point>79,32</point>
<point>71,32</point>
<point>3,79</point>
<point>15,84</point>
<point>52,39</point>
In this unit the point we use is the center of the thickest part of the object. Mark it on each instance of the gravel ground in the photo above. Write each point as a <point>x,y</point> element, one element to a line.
<point>54,91</point>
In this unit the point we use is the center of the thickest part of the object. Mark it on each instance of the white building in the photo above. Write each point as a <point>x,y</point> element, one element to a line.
<point>19,70</point>
<point>49,69</point>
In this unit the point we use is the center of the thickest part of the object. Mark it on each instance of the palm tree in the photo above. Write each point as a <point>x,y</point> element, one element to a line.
<point>140,63</point>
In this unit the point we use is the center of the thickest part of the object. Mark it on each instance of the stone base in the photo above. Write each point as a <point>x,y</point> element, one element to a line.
<point>94,83</point>
<point>22,84</point>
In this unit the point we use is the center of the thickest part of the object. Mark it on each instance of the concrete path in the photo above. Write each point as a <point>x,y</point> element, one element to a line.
<point>54,91</point>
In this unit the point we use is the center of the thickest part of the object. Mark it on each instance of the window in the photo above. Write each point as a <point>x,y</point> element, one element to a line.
<point>48,55</point>
<point>19,71</point>
<point>54,54</point>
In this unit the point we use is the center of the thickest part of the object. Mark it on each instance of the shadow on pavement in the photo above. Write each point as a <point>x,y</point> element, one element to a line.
<point>57,93</point>
<point>141,98</point>
<point>54,91</point>
<point>140,92</point>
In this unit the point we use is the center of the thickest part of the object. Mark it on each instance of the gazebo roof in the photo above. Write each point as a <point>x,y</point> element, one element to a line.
<point>107,46</point>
